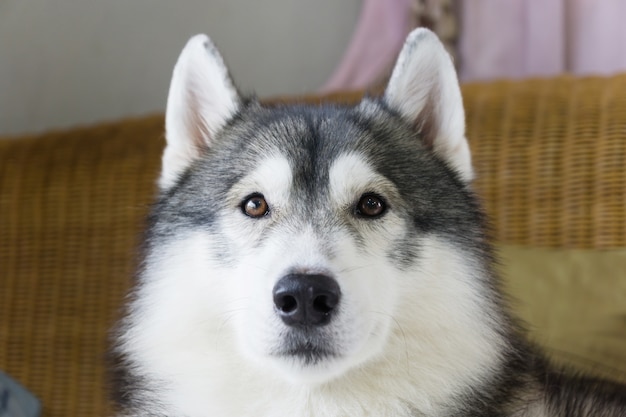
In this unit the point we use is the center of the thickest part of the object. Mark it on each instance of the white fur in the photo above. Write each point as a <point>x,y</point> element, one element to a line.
<point>200,101</point>
<point>352,176</point>
<point>423,86</point>
<point>272,179</point>
<point>206,329</point>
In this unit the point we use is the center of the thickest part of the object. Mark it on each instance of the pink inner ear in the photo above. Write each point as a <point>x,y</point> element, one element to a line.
<point>197,129</point>
<point>426,123</point>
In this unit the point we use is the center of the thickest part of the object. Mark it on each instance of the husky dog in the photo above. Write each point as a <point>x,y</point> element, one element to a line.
<point>327,261</point>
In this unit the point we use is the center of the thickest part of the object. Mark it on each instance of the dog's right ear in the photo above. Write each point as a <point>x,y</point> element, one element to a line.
<point>201,99</point>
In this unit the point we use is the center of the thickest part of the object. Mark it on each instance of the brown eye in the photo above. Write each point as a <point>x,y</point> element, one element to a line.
<point>255,206</point>
<point>370,205</point>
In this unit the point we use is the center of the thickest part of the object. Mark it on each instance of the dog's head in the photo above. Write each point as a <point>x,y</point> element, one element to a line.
<point>310,241</point>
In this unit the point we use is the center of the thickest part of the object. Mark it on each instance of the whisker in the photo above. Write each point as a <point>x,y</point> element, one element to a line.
<point>405,343</point>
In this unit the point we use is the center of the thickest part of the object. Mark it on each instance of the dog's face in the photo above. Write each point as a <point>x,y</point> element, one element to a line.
<point>309,230</point>
<point>311,224</point>
<point>305,241</point>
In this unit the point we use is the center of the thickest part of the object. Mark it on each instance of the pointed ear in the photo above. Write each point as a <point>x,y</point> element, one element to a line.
<point>424,88</point>
<point>201,99</point>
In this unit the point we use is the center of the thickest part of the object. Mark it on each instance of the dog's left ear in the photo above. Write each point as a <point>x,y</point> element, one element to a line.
<point>201,99</point>
<point>424,88</point>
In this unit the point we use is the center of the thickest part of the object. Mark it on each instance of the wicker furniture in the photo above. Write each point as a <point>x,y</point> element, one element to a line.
<point>549,154</point>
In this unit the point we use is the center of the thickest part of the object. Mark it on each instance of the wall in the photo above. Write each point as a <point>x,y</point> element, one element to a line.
<point>67,62</point>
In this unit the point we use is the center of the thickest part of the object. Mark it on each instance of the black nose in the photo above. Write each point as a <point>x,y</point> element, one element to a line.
<point>306,299</point>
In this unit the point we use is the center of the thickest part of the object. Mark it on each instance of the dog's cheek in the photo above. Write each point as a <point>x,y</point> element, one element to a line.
<point>254,321</point>
<point>369,290</point>
<point>241,236</point>
<point>377,279</point>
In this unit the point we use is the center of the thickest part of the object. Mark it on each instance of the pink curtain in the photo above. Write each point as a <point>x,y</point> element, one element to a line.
<point>497,38</point>
<point>521,38</point>
<point>375,44</point>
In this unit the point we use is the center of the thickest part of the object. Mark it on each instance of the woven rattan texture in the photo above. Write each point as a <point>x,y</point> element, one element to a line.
<point>549,157</point>
<point>71,206</point>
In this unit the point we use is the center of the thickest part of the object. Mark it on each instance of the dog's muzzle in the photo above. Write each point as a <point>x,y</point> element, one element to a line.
<point>306,300</point>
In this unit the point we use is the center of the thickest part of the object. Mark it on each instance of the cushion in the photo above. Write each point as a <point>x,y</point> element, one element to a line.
<point>574,303</point>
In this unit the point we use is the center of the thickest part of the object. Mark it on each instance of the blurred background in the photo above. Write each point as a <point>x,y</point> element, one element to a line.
<point>69,62</point>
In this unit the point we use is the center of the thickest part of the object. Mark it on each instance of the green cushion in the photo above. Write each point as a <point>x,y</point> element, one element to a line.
<point>574,303</point>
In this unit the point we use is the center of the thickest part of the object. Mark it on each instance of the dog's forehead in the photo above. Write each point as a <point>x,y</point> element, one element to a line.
<point>312,137</point>
<point>317,143</point>
<point>310,131</point>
